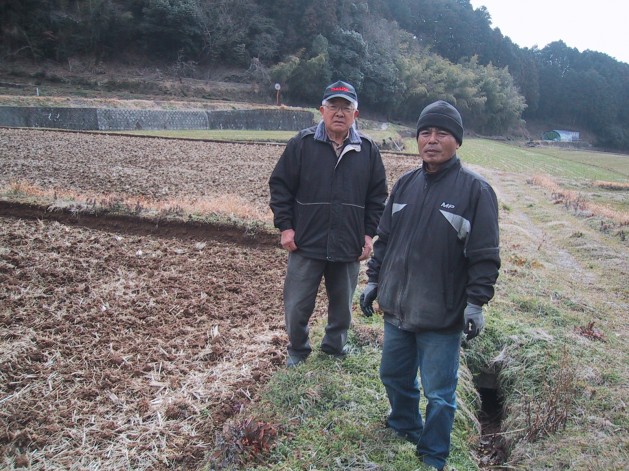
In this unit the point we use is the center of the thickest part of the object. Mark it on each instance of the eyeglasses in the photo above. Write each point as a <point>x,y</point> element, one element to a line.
<point>336,108</point>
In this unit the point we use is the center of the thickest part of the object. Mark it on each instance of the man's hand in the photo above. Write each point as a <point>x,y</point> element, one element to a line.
<point>287,240</point>
<point>367,298</point>
<point>366,249</point>
<point>474,321</point>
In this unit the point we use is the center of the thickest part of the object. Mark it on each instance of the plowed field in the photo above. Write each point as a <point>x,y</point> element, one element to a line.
<point>126,344</point>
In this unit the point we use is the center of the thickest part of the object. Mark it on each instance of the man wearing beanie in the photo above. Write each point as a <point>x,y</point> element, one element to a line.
<point>434,266</point>
<point>328,191</point>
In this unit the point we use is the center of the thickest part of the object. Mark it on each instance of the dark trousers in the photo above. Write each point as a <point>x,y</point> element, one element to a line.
<point>303,277</point>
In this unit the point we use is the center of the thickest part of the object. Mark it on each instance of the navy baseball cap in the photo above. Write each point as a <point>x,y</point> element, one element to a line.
<point>341,89</point>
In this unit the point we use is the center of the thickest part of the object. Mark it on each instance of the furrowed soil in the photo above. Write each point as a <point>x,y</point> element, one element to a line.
<point>127,340</point>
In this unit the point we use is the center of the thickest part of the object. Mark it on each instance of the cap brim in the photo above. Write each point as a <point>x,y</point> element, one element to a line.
<point>344,97</point>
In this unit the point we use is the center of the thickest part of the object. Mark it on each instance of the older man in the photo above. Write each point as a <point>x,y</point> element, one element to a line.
<point>434,266</point>
<point>328,191</point>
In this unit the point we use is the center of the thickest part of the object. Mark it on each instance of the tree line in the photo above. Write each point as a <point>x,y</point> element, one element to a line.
<point>399,54</point>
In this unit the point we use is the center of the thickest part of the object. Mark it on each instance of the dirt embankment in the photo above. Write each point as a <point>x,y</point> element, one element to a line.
<point>80,83</point>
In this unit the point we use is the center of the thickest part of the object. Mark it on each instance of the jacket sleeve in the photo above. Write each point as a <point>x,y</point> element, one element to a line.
<point>283,185</point>
<point>381,242</point>
<point>483,248</point>
<point>376,195</point>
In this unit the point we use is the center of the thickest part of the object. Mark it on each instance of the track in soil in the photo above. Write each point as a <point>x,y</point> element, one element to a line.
<point>164,228</point>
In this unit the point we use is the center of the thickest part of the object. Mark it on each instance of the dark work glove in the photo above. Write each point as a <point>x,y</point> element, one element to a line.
<point>474,321</point>
<point>367,298</point>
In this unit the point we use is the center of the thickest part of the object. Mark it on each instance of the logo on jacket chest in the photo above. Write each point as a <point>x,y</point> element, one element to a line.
<point>447,205</point>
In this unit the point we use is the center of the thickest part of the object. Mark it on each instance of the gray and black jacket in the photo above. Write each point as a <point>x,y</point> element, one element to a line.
<point>437,248</point>
<point>331,202</point>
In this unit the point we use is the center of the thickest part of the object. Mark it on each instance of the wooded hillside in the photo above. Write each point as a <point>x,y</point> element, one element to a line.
<point>400,55</point>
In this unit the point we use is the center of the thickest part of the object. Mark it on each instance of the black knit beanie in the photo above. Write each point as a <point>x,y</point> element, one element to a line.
<point>441,114</point>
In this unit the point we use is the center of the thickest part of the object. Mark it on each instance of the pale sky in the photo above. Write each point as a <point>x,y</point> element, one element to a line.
<point>600,25</point>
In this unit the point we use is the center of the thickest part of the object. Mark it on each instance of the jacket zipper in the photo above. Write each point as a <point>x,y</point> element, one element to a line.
<point>346,149</point>
<point>404,288</point>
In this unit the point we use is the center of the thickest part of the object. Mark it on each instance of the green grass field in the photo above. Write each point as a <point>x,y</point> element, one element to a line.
<point>555,162</point>
<point>253,135</point>
<point>222,135</point>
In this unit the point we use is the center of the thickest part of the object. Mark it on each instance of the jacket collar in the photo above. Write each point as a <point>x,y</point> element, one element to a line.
<point>452,163</point>
<point>322,135</point>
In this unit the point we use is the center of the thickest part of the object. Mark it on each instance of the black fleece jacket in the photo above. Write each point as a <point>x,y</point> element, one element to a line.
<point>437,248</point>
<point>331,202</point>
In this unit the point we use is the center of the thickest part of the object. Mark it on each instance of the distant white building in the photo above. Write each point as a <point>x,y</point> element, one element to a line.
<point>561,136</point>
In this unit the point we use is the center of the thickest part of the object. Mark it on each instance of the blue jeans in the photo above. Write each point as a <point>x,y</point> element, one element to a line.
<point>436,355</point>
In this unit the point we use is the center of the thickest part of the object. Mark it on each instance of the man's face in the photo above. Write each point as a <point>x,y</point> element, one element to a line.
<point>436,146</point>
<point>338,116</point>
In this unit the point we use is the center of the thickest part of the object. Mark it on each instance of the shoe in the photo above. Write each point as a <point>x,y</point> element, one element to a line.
<point>421,457</point>
<point>403,435</point>
<point>342,354</point>
<point>294,360</point>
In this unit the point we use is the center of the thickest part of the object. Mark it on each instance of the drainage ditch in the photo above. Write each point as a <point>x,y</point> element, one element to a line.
<point>492,451</point>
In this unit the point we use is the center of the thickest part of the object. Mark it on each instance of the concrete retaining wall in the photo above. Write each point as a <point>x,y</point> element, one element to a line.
<point>124,120</point>
<point>59,118</point>
<point>112,119</point>
<point>275,120</point>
